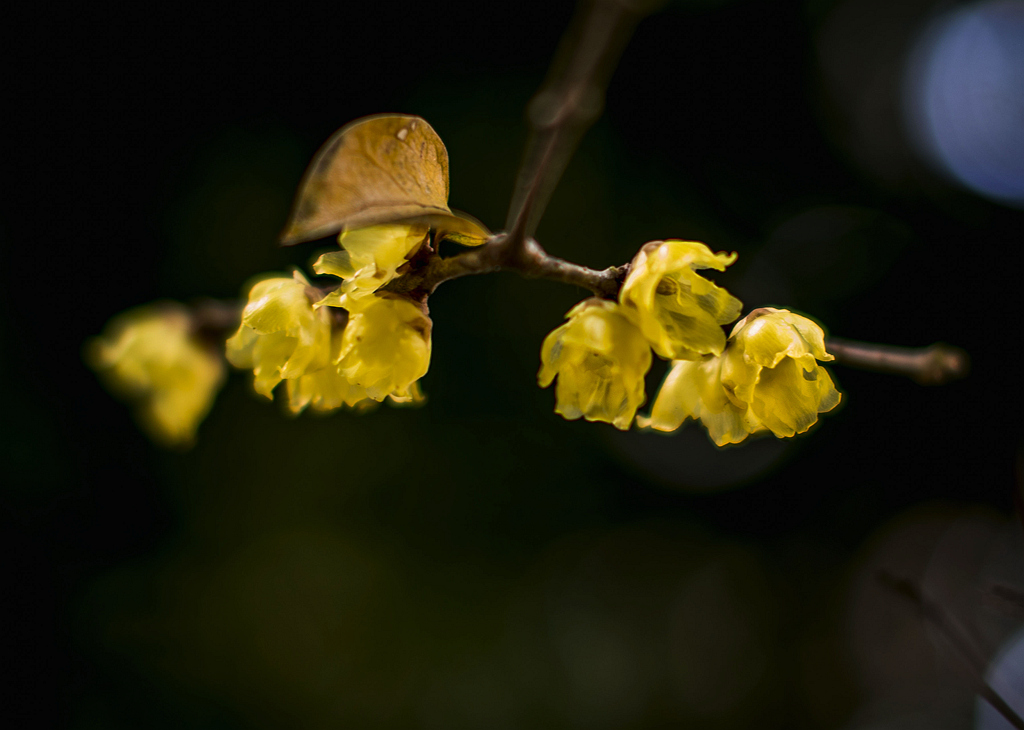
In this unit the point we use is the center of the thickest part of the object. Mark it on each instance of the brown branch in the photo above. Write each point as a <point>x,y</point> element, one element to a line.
<point>934,365</point>
<point>973,663</point>
<point>529,260</point>
<point>567,105</point>
<point>215,319</point>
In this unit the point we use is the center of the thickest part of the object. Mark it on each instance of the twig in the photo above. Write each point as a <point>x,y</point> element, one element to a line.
<point>567,105</point>
<point>974,663</point>
<point>529,260</point>
<point>933,365</point>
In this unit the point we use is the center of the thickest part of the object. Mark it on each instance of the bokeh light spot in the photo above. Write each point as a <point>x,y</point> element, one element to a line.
<point>964,97</point>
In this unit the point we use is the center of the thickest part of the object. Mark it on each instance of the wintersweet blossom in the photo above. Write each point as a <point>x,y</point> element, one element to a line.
<point>385,348</point>
<point>770,366</point>
<point>600,359</point>
<point>369,258</point>
<point>151,357</point>
<point>281,336</point>
<point>678,310</point>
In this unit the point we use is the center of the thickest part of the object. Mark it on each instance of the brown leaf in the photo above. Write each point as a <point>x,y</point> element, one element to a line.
<point>380,169</point>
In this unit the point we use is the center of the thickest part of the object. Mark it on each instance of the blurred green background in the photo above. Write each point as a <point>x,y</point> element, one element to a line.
<point>479,562</point>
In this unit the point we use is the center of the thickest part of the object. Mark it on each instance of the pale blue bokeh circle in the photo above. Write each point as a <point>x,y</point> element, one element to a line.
<point>964,97</point>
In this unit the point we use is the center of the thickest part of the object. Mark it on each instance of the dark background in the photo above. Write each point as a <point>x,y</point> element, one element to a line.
<point>480,562</point>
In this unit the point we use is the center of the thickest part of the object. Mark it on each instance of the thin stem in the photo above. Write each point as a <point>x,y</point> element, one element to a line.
<point>933,365</point>
<point>215,318</point>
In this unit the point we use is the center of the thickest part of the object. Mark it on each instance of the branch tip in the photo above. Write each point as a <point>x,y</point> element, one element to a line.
<point>936,364</point>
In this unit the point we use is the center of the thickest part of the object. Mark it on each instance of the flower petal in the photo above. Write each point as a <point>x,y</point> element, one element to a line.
<point>678,399</point>
<point>277,304</point>
<point>790,395</point>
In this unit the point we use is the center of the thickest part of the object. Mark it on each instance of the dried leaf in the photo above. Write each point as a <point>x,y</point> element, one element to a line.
<point>379,169</point>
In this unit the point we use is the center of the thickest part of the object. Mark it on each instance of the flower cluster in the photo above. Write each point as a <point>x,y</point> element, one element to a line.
<point>765,377</point>
<point>381,184</point>
<point>352,347</point>
<point>151,357</point>
<point>768,378</point>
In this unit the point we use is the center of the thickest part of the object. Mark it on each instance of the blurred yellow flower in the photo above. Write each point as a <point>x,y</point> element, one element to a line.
<point>281,337</point>
<point>600,358</point>
<point>370,258</point>
<point>771,366</point>
<point>679,312</point>
<point>693,389</point>
<point>385,348</point>
<point>150,357</point>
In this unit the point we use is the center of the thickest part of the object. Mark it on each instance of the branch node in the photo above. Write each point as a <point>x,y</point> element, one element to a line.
<point>941,363</point>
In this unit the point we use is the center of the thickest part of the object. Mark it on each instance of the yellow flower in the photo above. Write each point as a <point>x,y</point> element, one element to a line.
<point>380,352</point>
<point>370,258</point>
<point>149,356</point>
<point>771,366</point>
<point>600,358</point>
<point>326,389</point>
<point>693,389</point>
<point>281,337</point>
<point>385,347</point>
<point>679,311</point>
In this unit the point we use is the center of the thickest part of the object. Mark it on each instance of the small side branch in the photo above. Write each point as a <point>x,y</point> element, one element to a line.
<point>973,663</point>
<point>934,365</point>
